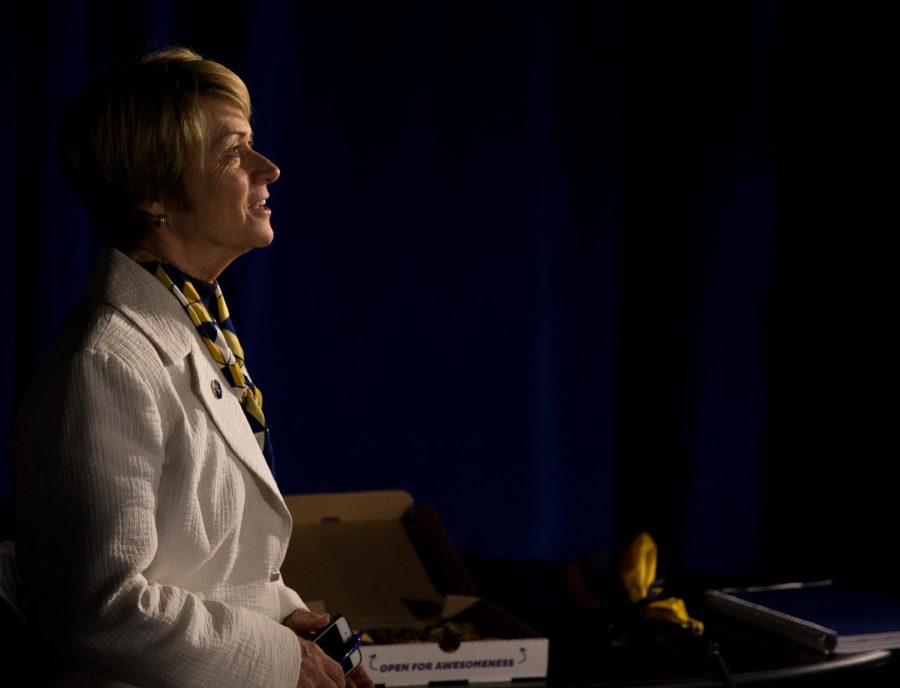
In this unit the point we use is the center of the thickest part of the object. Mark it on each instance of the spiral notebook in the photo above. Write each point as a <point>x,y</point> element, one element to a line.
<point>820,615</point>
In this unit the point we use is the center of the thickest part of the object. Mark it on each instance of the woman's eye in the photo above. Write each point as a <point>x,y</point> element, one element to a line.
<point>233,152</point>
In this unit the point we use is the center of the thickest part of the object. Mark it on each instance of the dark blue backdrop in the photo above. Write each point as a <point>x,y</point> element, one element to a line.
<point>563,269</point>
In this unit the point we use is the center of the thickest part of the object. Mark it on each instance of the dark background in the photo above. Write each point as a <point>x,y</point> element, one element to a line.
<point>563,269</point>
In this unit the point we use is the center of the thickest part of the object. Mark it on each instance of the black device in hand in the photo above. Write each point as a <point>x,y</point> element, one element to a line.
<point>339,642</point>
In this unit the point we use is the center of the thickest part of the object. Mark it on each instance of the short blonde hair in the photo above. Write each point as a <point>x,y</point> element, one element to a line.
<point>132,138</point>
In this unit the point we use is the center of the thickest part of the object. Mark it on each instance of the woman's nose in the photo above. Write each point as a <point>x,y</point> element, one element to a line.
<point>265,171</point>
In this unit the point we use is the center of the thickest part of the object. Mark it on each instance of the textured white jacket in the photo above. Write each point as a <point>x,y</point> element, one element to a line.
<point>150,531</point>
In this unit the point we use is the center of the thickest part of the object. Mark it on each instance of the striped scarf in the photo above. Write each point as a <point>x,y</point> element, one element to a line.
<point>219,337</point>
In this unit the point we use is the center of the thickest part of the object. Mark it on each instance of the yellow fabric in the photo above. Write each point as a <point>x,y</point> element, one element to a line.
<point>637,569</point>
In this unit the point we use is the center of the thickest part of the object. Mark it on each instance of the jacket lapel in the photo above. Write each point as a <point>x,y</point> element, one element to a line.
<point>125,285</point>
<point>227,413</point>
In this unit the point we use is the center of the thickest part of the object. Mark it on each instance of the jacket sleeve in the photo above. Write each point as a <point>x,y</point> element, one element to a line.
<point>93,466</point>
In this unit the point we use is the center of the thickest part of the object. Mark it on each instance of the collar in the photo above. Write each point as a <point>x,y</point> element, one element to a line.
<point>123,284</point>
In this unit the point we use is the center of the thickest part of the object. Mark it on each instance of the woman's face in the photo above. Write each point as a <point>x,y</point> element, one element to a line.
<point>227,195</point>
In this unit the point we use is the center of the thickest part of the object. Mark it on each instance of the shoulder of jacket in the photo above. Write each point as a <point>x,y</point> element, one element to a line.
<point>144,310</point>
<point>111,332</point>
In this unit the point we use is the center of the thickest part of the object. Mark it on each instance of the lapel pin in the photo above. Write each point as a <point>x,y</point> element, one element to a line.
<point>217,389</point>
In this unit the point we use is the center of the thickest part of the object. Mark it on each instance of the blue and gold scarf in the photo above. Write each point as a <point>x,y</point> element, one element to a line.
<point>218,335</point>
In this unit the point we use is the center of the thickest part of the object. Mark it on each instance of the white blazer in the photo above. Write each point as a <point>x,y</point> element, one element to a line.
<point>150,531</point>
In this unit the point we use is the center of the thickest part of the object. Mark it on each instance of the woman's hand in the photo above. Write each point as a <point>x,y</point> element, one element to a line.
<point>305,623</point>
<point>359,678</point>
<point>317,670</point>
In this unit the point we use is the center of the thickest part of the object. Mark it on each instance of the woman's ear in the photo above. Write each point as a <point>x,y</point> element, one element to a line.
<point>154,209</point>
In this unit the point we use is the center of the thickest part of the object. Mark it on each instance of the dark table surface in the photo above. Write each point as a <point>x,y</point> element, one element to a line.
<point>594,647</point>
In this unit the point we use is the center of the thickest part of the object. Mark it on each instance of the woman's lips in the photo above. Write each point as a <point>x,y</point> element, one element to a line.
<point>260,207</point>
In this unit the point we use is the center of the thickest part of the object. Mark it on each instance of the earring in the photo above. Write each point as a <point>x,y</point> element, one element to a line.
<point>160,220</point>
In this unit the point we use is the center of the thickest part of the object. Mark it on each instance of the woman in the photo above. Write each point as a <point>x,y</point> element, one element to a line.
<point>150,530</point>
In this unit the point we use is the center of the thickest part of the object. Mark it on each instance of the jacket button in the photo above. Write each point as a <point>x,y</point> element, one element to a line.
<point>217,389</point>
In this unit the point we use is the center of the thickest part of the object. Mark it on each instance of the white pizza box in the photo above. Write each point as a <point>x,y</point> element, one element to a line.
<point>388,564</point>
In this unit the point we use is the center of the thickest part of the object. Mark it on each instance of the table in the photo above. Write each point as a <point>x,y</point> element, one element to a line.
<point>585,651</point>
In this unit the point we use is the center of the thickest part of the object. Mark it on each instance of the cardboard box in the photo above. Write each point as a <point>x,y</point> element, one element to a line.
<point>387,564</point>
